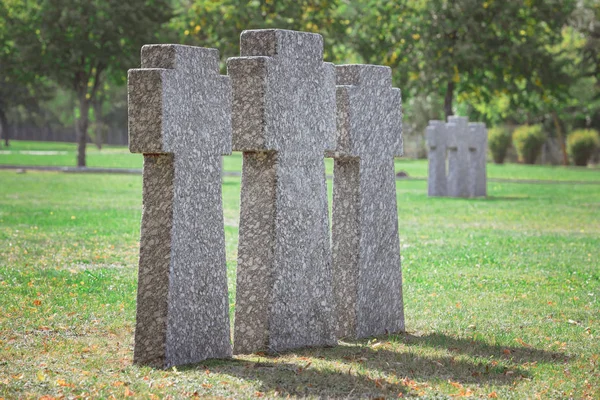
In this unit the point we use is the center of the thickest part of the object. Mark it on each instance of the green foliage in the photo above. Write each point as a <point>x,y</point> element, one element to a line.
<point>472,47</point>
<point>581,145</point>
<point>218,24</point>
<point>528,141</point>
<point>499,139</point>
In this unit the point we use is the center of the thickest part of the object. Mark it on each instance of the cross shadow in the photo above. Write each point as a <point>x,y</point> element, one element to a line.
<point>359,369</point>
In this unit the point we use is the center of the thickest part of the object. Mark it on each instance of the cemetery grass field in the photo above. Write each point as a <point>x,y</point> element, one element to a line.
<point>501,294</point>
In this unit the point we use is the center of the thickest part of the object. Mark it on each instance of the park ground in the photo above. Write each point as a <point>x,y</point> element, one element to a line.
<point>501,294</point>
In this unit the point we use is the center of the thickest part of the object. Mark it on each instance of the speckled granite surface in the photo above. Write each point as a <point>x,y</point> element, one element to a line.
<point>179,118</point>
<point>478,172</point>
<point>366,249</point>
<point>436,137</point>
<point>283,121</point>
<point>459,179</point>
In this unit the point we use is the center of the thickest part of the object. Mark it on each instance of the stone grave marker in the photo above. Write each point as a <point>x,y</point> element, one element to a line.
<point>366,249</point>
<point>478,140</point>
<point>283,121</point>
<point>180,119</point>
<point>459,179</point>
<point>436,137</point>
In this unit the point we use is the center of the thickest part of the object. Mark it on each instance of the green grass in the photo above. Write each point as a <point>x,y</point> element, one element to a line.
<point>65,154</point>
<point>501,297</point>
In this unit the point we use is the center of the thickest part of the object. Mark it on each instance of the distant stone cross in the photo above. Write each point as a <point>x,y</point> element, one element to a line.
<point>459,179</point>
<point>366,249</point>
<point>478,173</point>
<point>436,137</point>
<point>283,121</point>
<point>179,118</point>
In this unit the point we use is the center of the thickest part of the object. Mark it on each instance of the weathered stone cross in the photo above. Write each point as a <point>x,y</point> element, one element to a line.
<point>283,121</point>
<point>436,137</point>
<point>366,251</point>
<point>458,157</point>
<point>179,118</point>
<point>478,174</point>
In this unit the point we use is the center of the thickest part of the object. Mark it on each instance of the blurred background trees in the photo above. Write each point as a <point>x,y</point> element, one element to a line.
<point>63,63</point>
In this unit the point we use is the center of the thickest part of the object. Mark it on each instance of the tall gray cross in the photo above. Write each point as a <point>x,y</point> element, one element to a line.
<point>366,251</point>
<point>436,136</point>
<point>478,139</point>
<point>459,180</point>
<point>283,121</point>
<point>180,119</point>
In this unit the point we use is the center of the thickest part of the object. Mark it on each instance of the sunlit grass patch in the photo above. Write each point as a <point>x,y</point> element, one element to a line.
<point>501,298</point>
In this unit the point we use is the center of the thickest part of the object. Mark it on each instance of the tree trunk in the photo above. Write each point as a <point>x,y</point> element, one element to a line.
<point>561,139</point>
<point>448,99</point>
<point>98,124</point>
<point>4,127</point>
<point>81,127</point>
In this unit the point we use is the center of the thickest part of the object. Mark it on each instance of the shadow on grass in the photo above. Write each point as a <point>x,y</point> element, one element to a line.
<point>357,369</point>
<point>476,348</point>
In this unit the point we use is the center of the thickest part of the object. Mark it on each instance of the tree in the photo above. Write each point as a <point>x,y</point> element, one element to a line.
<point>19,86</point>
<point>79,43</point>
<point>218,24</point>
<point>463,46</point>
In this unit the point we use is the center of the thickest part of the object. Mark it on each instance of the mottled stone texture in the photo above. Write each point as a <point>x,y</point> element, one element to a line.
<point>464,145</point>
<point>477,164</point>
<point>436,137</point>
<point>366,250</point>
<point>283,121</point>
<point>179,118</point>
<point>458,157</point>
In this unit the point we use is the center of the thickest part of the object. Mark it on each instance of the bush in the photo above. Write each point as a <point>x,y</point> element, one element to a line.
<point>498,142</point>
<point>581,145</point>
<point>528,141</point>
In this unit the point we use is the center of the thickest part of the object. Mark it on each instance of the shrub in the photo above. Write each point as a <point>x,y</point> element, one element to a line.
<point>581,145</point>
<point>528,141</point>
<point>498,142</point>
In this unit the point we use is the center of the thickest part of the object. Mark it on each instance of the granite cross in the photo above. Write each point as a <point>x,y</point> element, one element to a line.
<point>459,179</point>
<point>283,121</point>
<point>366,251</point>
<point>478,140</point>
<point>180,119</point>
<point>436,137</point>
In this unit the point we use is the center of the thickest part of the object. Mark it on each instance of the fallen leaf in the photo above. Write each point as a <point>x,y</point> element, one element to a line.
<point>493,395</point>
<point>63,383</point>
<point>206,385</point>
<point>455,384</point>
<point>128,392</point>
<point>37,302</point>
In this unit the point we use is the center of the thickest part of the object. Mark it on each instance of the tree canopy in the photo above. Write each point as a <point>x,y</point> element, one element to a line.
<point>521,61</point>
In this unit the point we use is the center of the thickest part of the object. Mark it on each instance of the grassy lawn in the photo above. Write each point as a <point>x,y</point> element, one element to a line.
<point>501,295</point>
<point>65,154</point>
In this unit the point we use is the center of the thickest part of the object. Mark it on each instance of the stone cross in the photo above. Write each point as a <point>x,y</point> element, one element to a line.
<point>180,119</point>
<point>283,121</point>
<point>478,173</point>
<point>366,251</point>
<point>459,179</point>
<point>436,137</point>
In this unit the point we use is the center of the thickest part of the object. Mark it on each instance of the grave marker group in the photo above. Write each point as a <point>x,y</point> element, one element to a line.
<point>279,106</point>
<point>457,158</point>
